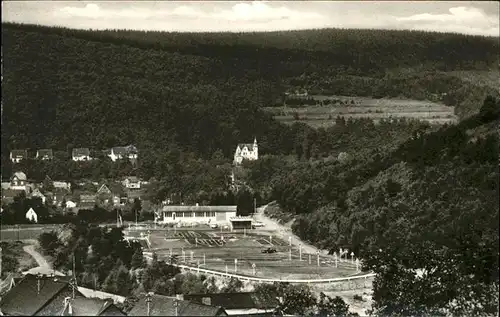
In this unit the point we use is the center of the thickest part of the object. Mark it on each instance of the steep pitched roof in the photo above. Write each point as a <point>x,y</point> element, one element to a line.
<point>45,153</point>
<point>165,306</point>
<point>19,153</point>
<point>24,298</point>
<point>82,306</point>
<point>20,176</point>
<point>243,300</point>
<point>248,145</point>
<point>81,152</point>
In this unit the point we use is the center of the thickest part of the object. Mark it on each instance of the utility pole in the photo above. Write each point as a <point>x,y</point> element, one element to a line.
<point>300,252</point>
<point>235,265</point>
<point>254,205</point>
<point>204,259</point>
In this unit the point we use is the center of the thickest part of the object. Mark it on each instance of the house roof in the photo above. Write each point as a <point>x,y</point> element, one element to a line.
<point>45,152</point>
<point>91,293</point>
<point>132,179</point>
<point>243,300</point>
<point>81,152</point>
<point>114,188</point>
<point>165,306</point>
<point>124,150</point>
<point>24,298</point>
<point>19,153</point>
<point>82,306</point>
<point>248,145</point>
<point>20,176</point>
<point>172,208</point>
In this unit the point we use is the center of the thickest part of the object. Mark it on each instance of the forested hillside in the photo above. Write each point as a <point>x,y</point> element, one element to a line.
<point>429,206</point>
<point>65,88</point>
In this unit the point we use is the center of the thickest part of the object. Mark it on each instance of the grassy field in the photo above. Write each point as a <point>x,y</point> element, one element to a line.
<point>207,248</point>
<point>24,232</point>
<point>376,109</point>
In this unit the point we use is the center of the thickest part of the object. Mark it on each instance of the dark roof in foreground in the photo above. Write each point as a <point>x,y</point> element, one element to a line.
<point>242,300</point>
<point>199,208</point>
<point>24,298</point>
<point>165,306</point>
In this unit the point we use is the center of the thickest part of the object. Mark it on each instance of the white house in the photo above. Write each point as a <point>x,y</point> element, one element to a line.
<point>17,156</point>
<point>62,185</point>
<point>18,181</point>
<point>121,152</point>
<point>195,214</point>
<point>246,151</point>
<point>31,215</point>
<point>81,154</point>
<point>132,182</point>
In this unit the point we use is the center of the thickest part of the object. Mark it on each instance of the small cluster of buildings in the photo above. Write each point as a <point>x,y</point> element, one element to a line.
<point>61,193</point>
<point>59,295</point>
<point>79,154</point>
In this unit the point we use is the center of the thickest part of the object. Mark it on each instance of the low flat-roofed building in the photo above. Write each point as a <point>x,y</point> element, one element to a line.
<point>196,214</point>
<point>240,223</point>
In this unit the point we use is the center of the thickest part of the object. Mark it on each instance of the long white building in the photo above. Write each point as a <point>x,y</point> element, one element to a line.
<point>196,214</point>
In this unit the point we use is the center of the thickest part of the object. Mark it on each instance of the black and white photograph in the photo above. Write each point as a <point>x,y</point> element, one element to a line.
<point>250,158</point>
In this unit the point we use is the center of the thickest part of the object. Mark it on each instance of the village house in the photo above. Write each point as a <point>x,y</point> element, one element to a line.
<point>81,154</point>
<point>246,151</point>
<point>37,193</point>
<point>46,295</point>
<point>19,181</point>
<point>123,152</point>
<point>159,305</point>
<point>17,156</point>
<point>110,194</point>
<point>44,154</point>
<point>132,182</point>
<point>31,215</point>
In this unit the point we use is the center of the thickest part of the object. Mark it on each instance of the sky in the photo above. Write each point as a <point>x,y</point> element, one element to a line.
<point>468,17</point>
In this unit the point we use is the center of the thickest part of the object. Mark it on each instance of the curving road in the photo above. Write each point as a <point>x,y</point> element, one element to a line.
<point>281,231</point>
<point>42,262</point>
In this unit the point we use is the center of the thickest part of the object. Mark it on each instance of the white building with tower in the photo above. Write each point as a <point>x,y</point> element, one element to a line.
<point>246,151</point>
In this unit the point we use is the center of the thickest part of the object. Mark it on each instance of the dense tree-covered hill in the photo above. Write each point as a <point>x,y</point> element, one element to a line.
<point>431,204</point>
<point>64,88</point>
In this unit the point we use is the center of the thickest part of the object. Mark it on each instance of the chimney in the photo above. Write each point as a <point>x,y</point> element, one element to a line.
<point>206,301</point>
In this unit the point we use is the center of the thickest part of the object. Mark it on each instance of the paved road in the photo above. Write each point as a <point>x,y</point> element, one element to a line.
<point>42,263</point>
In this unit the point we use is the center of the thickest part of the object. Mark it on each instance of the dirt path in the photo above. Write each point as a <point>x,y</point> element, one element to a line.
<point>42,262</point>
<point>282,231</point>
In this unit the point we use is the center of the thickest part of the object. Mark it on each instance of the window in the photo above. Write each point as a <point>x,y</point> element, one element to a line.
<point>210,213</point>
<point>168,214</point>
<point>180,214</point>
<point>188,214</point>
<point>199,214</point>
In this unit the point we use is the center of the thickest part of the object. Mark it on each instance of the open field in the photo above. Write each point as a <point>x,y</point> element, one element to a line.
<point>376,109</point>
<point>206,248</point>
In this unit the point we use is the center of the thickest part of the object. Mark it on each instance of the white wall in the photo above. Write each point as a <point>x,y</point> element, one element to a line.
<point>193,219</point>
